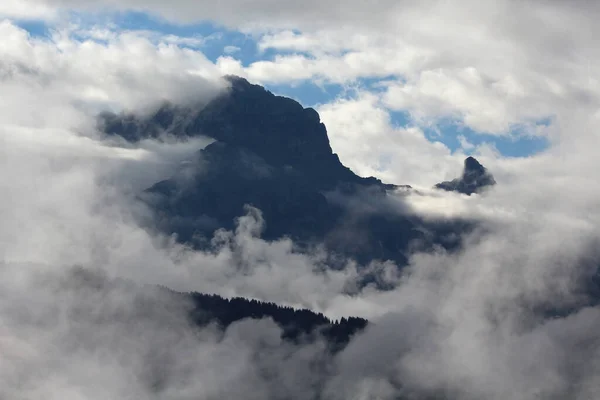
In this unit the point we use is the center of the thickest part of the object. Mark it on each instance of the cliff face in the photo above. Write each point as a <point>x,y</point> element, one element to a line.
<point>275,155</point>
<point>277,129</point>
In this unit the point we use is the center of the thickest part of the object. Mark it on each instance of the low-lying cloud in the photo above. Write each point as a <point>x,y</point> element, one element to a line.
<point>466,325</point>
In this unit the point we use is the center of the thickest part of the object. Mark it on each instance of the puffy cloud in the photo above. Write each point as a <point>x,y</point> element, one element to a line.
<point>468,325</point>
<point>80,335</point>
<point>495,68</point>
<point>361,130</point>
<point>63,79</point>
<point>464,143</point>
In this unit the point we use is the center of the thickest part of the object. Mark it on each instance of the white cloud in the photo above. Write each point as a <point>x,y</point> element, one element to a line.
<point>231,49</point>
<point>483,104</point>
<point>361,131</point>
<point>78,77</point>
<point>464,143</point>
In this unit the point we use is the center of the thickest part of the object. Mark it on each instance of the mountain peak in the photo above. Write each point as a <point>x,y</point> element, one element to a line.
<point>475,177</point>
<point>471,164</point>
<point>239,82</point>
<point>277,129</point>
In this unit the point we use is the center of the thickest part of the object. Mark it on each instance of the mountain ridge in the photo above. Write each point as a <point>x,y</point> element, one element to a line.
<point>273,154</point>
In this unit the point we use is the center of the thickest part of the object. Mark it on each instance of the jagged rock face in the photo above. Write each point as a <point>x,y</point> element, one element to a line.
<point>275,128</point>
<point>475,178</point>
<point>275,155</point>
<point>229,177</point>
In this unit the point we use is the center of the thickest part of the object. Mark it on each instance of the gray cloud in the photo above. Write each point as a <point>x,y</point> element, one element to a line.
<point>80,335</point>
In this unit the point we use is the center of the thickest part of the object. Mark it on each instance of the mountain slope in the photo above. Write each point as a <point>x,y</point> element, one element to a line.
<point>275,155</point>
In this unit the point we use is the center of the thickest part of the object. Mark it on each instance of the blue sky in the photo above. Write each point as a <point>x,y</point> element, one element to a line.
<point>219,41</point>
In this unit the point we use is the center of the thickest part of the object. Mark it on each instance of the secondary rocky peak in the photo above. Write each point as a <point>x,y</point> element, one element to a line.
<point>471,164</point>
<point>475,177</point>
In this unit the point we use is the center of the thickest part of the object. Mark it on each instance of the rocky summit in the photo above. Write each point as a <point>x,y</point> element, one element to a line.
<point>276,129</point>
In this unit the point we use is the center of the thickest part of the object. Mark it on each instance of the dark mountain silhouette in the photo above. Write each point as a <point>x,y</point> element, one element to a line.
<point>275,155</point>
<point>277,129</point>
<point>475,177</point>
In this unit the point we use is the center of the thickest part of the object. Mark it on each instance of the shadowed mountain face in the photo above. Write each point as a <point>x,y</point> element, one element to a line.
<point>273,154</point>
<point>475,178</point>
<point>276,129</point>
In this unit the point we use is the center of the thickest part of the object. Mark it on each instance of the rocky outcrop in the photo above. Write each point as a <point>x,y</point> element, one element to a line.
<point>474,179</point>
